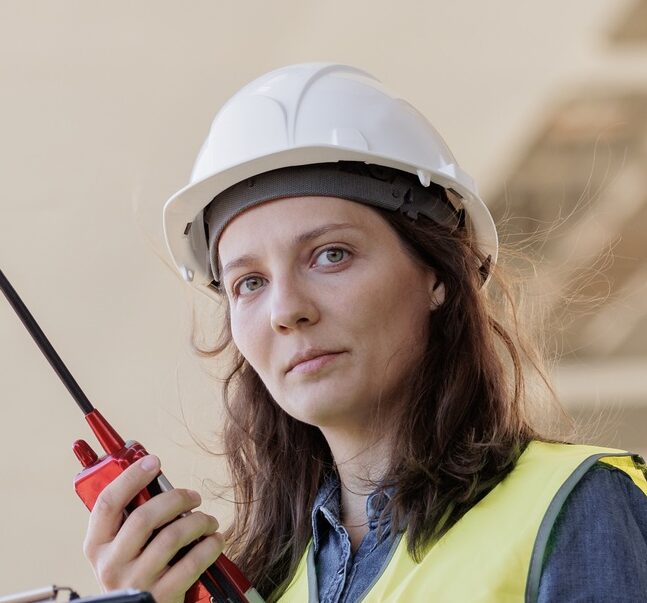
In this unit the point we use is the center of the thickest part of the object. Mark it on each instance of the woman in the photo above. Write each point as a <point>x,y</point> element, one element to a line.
<point>377,437</point>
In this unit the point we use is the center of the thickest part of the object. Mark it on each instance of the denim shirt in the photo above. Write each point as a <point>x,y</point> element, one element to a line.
<point>597,550</point>
<point>341,576</point>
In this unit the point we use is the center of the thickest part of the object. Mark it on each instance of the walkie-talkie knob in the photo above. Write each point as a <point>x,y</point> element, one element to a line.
<point>84,453</point>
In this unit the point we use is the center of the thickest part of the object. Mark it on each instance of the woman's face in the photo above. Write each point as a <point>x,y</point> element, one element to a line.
<point>326,306</point>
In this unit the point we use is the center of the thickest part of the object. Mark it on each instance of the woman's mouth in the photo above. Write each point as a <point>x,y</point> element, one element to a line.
<point>313,365</point>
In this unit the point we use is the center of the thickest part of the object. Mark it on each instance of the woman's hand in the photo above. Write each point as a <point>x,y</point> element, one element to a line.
<point>119,554</point>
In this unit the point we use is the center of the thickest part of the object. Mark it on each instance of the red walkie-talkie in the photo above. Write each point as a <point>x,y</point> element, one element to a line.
<point>222,582</point>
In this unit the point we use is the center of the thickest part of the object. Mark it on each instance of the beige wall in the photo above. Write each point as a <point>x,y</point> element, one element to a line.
<point>104,105</point>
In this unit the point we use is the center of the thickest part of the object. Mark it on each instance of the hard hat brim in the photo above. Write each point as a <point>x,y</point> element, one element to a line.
<point>187,242</point>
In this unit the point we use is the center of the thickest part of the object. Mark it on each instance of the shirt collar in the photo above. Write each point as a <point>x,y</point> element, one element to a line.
<point>326,508</point>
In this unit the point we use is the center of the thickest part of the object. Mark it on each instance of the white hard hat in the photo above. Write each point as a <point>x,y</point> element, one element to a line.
<point>306,114</point>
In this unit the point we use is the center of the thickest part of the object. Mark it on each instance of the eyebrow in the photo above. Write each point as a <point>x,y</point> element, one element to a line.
<point>299,239</point>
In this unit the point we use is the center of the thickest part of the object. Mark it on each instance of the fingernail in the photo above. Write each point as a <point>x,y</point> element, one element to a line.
<point>150,462</point>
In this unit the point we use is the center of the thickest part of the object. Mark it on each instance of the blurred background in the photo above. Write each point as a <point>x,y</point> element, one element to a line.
<point>104,107</point>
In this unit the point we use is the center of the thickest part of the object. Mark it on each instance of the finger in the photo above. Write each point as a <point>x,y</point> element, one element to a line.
<point>155,513</point>
<point>181,576</point>
<point>182,532</point>
<point>107,515</point>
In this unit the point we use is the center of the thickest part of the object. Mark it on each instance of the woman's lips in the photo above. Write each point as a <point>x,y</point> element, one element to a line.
<point>315,364</point>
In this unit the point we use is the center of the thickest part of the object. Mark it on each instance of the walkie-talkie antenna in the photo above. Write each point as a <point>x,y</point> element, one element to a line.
<point>109,439</point>
<point>45,346</point>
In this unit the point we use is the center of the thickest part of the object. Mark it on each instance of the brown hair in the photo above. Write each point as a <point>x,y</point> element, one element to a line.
<point>461,432</point>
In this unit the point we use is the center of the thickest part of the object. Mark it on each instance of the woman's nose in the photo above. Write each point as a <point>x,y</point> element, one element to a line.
<point>293,305</point>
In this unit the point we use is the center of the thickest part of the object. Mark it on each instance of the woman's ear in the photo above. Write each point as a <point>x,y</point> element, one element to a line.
<point>436,292</point>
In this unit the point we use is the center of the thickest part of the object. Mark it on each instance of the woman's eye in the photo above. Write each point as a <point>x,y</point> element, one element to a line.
<point>328,257</point>
<point>331,256</point>
<point>248,285</point>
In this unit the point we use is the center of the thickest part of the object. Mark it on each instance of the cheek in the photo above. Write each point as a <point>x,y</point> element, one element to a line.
<point>395,315</point>
<point>378,310</point>
<point>400,299</point>
<point>237,334</point>
<point>248,338</point>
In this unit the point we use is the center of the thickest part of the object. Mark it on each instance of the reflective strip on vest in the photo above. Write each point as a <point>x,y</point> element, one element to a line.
<point>494,553</point>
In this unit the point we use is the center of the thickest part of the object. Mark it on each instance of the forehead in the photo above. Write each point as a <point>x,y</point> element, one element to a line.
<point>281,220</point>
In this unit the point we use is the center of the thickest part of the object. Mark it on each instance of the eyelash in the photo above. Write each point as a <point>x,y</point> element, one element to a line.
<point>236,287</point>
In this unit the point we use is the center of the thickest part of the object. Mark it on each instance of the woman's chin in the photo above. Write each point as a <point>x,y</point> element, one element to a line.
<point>324,411</point>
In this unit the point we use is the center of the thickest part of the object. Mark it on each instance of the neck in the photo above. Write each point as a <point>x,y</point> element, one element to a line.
<point>361,458</point>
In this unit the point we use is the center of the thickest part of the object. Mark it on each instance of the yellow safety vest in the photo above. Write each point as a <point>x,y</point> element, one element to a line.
<point>494,553</point>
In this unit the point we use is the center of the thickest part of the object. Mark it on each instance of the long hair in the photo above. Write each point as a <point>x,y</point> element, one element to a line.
<point>460,432</point>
